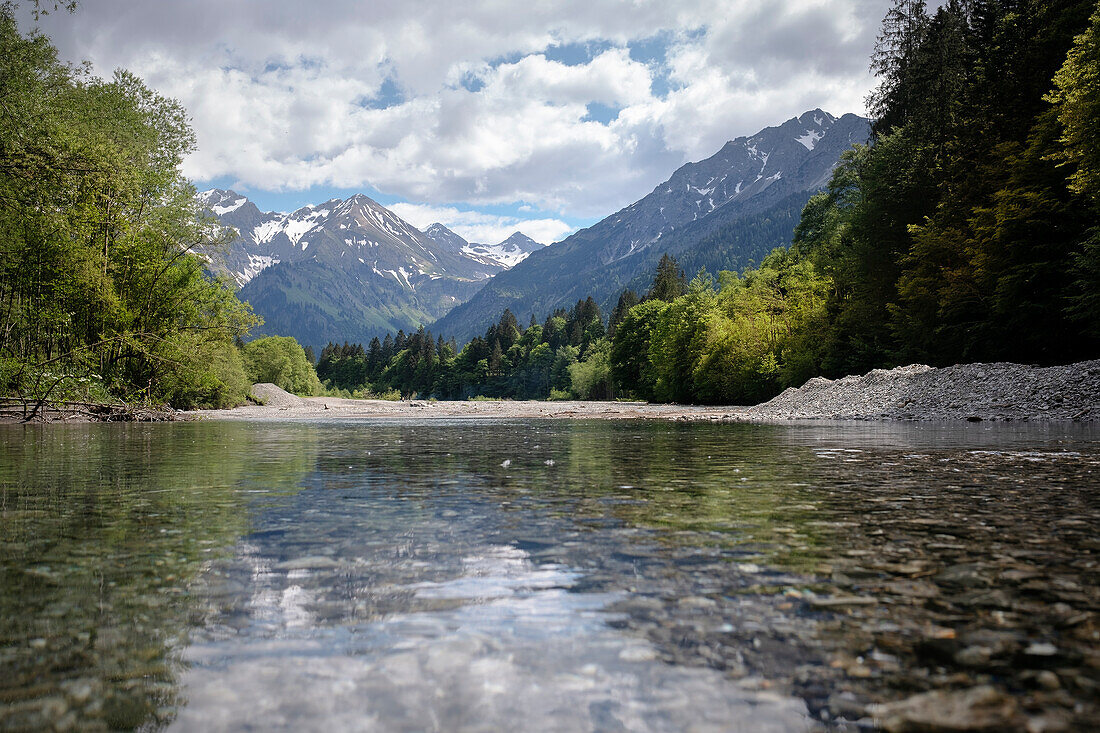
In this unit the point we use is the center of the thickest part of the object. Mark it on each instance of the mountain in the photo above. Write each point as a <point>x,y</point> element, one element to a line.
<point>445,238</point>
<point>502,256</point>
<point>724,212</point>
<point>346,269</point>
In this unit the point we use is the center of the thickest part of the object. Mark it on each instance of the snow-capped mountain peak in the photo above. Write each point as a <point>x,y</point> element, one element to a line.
<point>501,256</point>
<point>508,253</point>
<point>346,268</point>
<point>358,228</point>
<point>222,202</point>
<point>446,238</point>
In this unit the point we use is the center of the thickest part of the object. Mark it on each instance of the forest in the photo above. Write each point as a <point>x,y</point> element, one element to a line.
<point>969,230</point>
<point>103,296</point>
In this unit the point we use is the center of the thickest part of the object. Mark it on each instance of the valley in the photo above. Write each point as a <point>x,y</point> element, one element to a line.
<point>353,270</point>
<point>346,269</point>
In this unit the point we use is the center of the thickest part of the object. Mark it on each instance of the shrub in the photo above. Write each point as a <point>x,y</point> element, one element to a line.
<point>280,360</point>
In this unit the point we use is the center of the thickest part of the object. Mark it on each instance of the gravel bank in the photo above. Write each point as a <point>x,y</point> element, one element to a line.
<point>916,392</point>
<point>973,392</point>
<point>281,405</point>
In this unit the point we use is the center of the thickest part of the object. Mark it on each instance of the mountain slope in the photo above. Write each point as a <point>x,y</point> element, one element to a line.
<point>739,200</point>
<point>343,270</point>
<point>508,253</point>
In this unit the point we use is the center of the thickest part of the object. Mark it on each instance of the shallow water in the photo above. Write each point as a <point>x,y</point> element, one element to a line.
<point>542,575</point>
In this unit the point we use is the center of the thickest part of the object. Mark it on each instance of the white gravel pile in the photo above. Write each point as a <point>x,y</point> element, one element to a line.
<point>964,392</point>
<point>271,395</point>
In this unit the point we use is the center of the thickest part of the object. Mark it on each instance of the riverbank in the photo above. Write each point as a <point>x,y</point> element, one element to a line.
<point>973,392</point>
<point>48,411</point>
<point>280,405</point>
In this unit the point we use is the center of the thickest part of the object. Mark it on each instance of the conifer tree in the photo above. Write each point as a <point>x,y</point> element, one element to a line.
<point>627,300</point>
<point>669,282</point>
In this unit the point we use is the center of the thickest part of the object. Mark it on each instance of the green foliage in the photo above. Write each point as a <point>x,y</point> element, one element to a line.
<point>590,379</point>
<point>97,230</point>
<point>631,367</point>
<point>679,339</point>
<point>281,361</point>
<point>627,300</point>
<point>211,373</point>
<point>669,282</point>
<point>967,232</point>
<point>506,363</point>
<point>1076,98</point>
<point>740,343</point>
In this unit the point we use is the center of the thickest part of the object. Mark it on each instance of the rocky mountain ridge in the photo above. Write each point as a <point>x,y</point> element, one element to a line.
<point>503,255</point>
<point>346,268</point>
<point>745,199</point>
<point>363,226</point>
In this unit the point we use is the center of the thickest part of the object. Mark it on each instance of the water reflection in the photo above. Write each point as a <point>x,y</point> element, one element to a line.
<point>554,575</point>
<point>102,528</point>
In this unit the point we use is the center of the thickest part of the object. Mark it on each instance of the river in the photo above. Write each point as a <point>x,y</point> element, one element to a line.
<point>544,575</point>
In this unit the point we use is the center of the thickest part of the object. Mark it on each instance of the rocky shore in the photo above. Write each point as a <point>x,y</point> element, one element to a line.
<point>973,392</point>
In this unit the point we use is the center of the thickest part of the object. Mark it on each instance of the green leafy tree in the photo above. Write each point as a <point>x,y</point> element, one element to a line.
<point>1076,98</point>
<point>627,300</point>
<point>679,340</point>
<point>631,367</point>
<point>280,360</point>
<point>590,379</point>
<point>98,235</point>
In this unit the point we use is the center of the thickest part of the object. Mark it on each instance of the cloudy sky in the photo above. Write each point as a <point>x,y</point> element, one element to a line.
<point>486,115</point>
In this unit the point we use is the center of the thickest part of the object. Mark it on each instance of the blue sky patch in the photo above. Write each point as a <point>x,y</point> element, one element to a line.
<point>576,54</point>
<point>601,113</point>
<point>471,82</point>
<point>389,95</point>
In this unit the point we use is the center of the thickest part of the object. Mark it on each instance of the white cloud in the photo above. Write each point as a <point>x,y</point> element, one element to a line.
<point>475,226</point>
<point>609,78</point>
<point>283,95</point>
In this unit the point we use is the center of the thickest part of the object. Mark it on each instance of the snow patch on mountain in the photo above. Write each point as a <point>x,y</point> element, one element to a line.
<point>295,229</point>
<point>809,140</point>
<point>501,256</point>
<point>267,231</point>
<point>508,253</point>
<point>257,263</point>
<point>221,210</point>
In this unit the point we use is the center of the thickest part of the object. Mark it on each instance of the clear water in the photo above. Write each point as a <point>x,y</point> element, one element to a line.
<point>541,575</point>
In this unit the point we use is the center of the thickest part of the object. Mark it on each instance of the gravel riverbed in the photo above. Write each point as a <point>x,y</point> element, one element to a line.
<point>974,392</point>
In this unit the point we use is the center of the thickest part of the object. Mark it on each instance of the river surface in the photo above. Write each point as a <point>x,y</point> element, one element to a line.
<point>543,575</point>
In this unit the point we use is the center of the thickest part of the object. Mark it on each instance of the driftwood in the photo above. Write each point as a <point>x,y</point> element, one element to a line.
<point>19,409</point>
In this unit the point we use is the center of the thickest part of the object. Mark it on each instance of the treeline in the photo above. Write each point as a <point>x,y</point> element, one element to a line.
<point>689,342</point>
<point>533,363</point>
<point>102,295</point>
<point>968,231</point>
